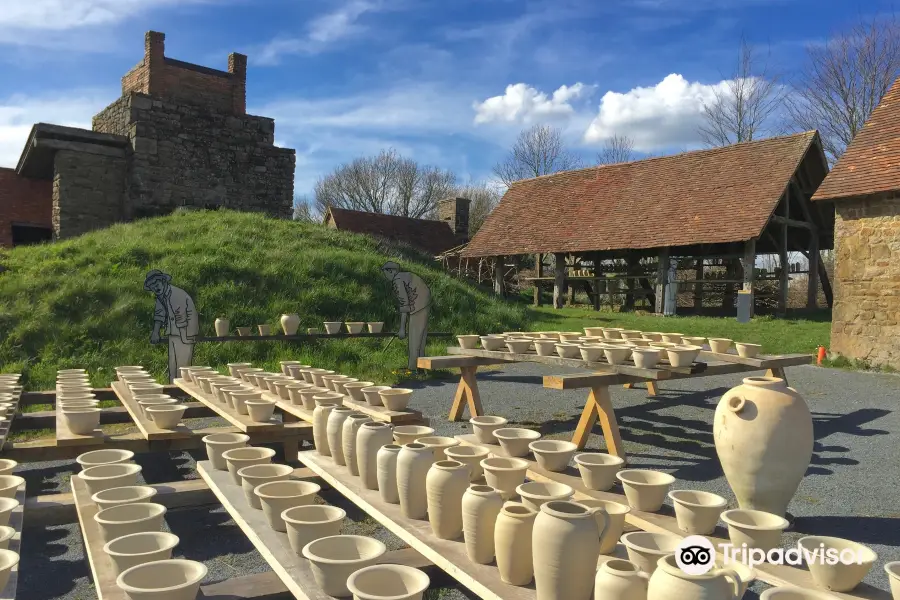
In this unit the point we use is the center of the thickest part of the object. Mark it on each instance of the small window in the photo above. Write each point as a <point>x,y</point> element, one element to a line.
<point>24,235</point>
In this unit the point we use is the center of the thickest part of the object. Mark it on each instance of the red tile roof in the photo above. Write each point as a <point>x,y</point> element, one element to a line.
<point>433,237</point>
<point>871,164</point>
<point>708,196</point>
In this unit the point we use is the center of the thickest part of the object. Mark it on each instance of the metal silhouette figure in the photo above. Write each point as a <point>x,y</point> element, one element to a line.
<point>414,302</point>
<point>174,311</point>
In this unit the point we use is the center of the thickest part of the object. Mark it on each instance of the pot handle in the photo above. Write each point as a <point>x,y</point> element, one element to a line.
<point>594,511</point>
<point>734,579</point>
<point>736,404</point>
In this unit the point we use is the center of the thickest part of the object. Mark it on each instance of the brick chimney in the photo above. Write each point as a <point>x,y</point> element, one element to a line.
<point>455,212</point>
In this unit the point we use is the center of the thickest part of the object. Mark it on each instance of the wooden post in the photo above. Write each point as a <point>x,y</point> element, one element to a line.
<point>498,276</point>
<point>539,272</point>
<point>783,278</point>
<point>812,282</point>
<point>630,263</point>
<point>749,265</point>
<point>662,269</point>
<point>595,283</point>
<point>559,280</point>
<point>698,287</point>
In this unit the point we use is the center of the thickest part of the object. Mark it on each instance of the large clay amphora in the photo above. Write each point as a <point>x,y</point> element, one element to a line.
<point>669,582</point>
<point>565,546</point>
<point>764,438</point>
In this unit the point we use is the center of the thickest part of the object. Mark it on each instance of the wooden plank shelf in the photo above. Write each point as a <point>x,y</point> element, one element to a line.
<point>102,570</point>
<point>775,361</point>
<point>242,422</point>
<point>6,423</point>
<point>148,428</point>
<point>280,337</point>
<point>776,575</point>
<point>381,413</point>
<point>17,522</point>
<point>449,555</point>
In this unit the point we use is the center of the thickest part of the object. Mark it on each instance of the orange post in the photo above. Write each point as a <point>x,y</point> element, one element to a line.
<point>821,355</point>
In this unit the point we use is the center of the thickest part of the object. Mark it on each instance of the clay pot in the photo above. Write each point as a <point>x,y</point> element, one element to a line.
<point>612,515</point>
<point>484,427</point>
<point>535,494</point>
<point>375,326</point>
<point>719,345</point>
<point>622,580</point>
<point>240,399</point>
<point>468,342</point>
<point>764,438</point>
<point>223,326</point>
<point>396,398</point>
<point>235,369</point>
<point>747,350</point>
<point>493,343</point>
<point>566,546</point>
<point>139,548</point>
<point>318,374</point>
<point>217,443</point>
<point>617,355</point>
<point>471,456</point>
<point>682,356</point>
<point>293,391</point>
<point>6,535</point>
<point>413,463</point>
<point>568,350</point>
<point>128,494</point>
<point>755,528</point>
<point>8,560</point>
<point>290,323</point>
<point>278,496</point>
<point>81,421</point>
<point>697,512</point>
<point>693,341</point>
<point>334,430</point>
<point>669,581</point>
<point>591,352</point>
<point>104,477</point>
<point>294,370</point>
<point>793,593</point>
<point>354,389</point>
<point>513,533</point>
<point>333,327</point>
<point>99,457</point>
<point>672,338</point>
<point>355,327</point>
<point>156,401</point>
<point>386,463</point>
<point>646,490</point>
<point>349,430</point>
<point>327,380</point>
<point>388,582</point>
<point>553,455</point>
<point>320,427</point>
<point>333,559</point>
<point>369,439</point>
<point>645,548</point>
<point>407,434</point>
<point>569,336</point>
<point>255,475</point>
<point>238,458</point>
<point>246,373</point>
<point>166,416</point>
<point>515,440</point>
<point>311,522</point>
<point>173,579</point>
<point>223,394</point>
<point>7,505</point>
<point>264,329</point>
<point>445,484</point>
<point>439,444</point>
<point>746,574</point>
<point>125,519</point>
<point>372,394</point>
<point>518,346</point>
<point>848,571</point>
<point>645,358</point>
<point>481,504</point>
<point>504,474</point>
<point>893,571</point>
<point>308,396</point>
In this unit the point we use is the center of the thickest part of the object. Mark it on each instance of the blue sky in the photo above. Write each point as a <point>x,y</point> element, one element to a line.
<point>448,82</point>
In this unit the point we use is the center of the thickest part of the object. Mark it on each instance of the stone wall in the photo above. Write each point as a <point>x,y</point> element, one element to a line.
<point>23,201</point>
<point>88,192</point>
<point>866,315</point>
<point>115,118</point>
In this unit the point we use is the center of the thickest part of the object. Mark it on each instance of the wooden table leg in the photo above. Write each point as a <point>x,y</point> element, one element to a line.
<point>777,372</point>
<point>628,386</point>
<point>466,395</point>
<point>291,445</point>
<point>599,406</point>
<point>652,390</point>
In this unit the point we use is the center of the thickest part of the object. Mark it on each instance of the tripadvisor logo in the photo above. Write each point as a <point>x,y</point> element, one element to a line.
<point>696,555</point>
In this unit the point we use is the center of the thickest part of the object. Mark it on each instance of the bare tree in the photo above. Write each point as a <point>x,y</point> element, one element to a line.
<point>303,210</point>
<point>617,149</point>
<point>744,107</point>
<point>538,151</point>
<point>844,80</point>
<point>387,183</point>
<point>484,198</point>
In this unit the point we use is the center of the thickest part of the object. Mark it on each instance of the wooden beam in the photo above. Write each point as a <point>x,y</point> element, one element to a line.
<point>595,285</point>
<point>783,278</point>
<point>539,271</point>
<point>698,287</point>
<point>456,362</point>
<point>631,262</point>
<point>559,280</point>
<point>749,265</point>
<point>812,281</point>
<point>792,222</point>
<point>114,414</point>
<point>49,396</point>
<point>498,276</point>
<point>662,268</point>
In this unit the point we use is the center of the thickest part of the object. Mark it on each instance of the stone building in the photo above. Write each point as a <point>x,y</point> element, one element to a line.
<point>178,136</point>
<point>865,189</point>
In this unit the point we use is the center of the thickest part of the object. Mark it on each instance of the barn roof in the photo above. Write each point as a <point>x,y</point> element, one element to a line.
<point>433,237</point>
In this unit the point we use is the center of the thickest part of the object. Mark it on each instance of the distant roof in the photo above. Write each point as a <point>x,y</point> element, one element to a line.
<point>704,197</point>
<point>871,164</point>
<point>433,237</point>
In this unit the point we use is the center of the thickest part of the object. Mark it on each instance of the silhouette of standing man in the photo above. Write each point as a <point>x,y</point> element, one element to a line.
<point>174,310</point>
<point>414,300</point>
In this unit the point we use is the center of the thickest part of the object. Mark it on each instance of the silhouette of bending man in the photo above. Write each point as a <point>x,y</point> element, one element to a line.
<point>174,310</point>
<point>414,300</point>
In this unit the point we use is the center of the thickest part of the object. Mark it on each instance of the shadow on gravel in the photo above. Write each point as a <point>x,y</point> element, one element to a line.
<point>500,376</point>
<point>45,479</point>
<point>45,571</point>
<point>207,535</point>
<point>865,530</point>
<point>162,467</point>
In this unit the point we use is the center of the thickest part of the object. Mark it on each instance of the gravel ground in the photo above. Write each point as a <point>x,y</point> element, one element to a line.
<point>843,493</point>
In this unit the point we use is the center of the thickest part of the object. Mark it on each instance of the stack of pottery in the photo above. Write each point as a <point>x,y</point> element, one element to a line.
<point>75,400</point>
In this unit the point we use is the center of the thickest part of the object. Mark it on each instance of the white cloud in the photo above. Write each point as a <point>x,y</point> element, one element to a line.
<point>58,15</point>
<point>522,103</point>
<point>662,116</point>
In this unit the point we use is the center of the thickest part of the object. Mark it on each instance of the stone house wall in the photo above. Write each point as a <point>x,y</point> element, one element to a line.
<point>88,192</point>
<point>23,201</point>
<point>866,315</point>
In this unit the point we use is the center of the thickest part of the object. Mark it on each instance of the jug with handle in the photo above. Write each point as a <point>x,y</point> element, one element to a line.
<point>669,582</point>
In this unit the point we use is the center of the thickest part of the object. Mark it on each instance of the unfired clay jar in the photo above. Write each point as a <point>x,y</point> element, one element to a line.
<point>333,559</point>
<point>396,398</point>
<point>104,477</point>
<point>166,416</point>
<point>139,548</point>
<point>238,458</point>
<point>513,533</point>
<point>747,350</point>
<point>334,430</point>
<point>645,358</point>
<point>81,421</point>
<point>481,504</point>
<point>98,457</point>
<point>842,576</point>
<point>719,345</point>
<point>445,484</point>
<point>669,581</point>
<point>645,548</point>
<point>598,470</point>
<point>535,494</point>
<point>349,430</point>
<point>645,489</point>
<point>504,474</point>
<point>515,440</point>
<point>223,326</point>
<point>553,455</point>
<point>260,410</point>
<point>386,463</point>
<point>217,443</point>
<point>616,355</point>
<point>369,439</point>
<point>290,323</point>
<point>255,475</point>
<point>621,580</point>
<point>682,356</point>
<point>493,343</point>
<point>311,522</point>
<point>566,546</point>
<point>278,496</point>
<point>755,528</point>
<point>122,520</point>
<point>471,456</point>
<point>173,579</point>
<point>468,342</point>
<point>697,512</point>
<point>484,426</point>
<point>764,438</point>
<point>439,444</point>
<point>388,582</point>
<point>320,427</point>
<point>128,494</point>
<point>413,463</point>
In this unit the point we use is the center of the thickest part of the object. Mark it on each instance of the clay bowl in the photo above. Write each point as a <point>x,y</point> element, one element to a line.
<point>278,496</point>
<point>755,528</point>
<point>328,379</point>
<point>139,548</point>
<point>6,534</point>
<point>166,416</point>
<point>518,345</point>
<point>396,398</point>
<point>407,434</point>
<point>534,494</point>
<point>340,386</point>
<point>308,395</point>
<point>853,564</point>
<point>719,345</point>
<point>470,456</point>
<point>81,421</point>
<point>893,571</point>
<point>264,329</point>
<point>318,374</point>
<point>693,341</point>
<point>468,342</point>
<point>234,369</point>
<point>239,399</point>
<point>592,352</point>
<point>612,333</point>
<point>747,350</point>
<point>217,443</point>
<point>130,369</point>
<point>645,549</point>
<point>645,490</point>
<point>332,327</point>
<point>246,373</point>
<point>396,582</point>
<point>593,331</point>
<point>333,559</point>
<point>568,350</point>
<point>615,514</point>
<point>354,389</point>
<point>260,411</point>
<point>223,394</point>
<point>8,560</point>
<point>438,443</point>
<point>293,390</point>
<point>484,427</point>
<point>329,398</point>
<point>255,475</point>
<point>569,336</point>
<point>77,404</point>
<point>545,347</point>
<point>628,334</point>
<point>286,365</point>
<point>617,355</point>
<point>697,513</point>
<point>237,458</point>
<point>7,505</point>
<point>515,440</point>
<point>172,579</point>
<point>682,356</point>
<point>493,343</point>
<point>372,394</point>
<point>793,593</point>
<point>645,358</point>
<point>310,522</point>
<point>7,466</point>
<point>60,372</point>
<point>125,519</point>
<point>243,331</point>
<point>104,477</point>
<point>145,404</point>
<point>375,326</point>
<point>128,494</point>
<point>504,474</point>
<point>553,455</point>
